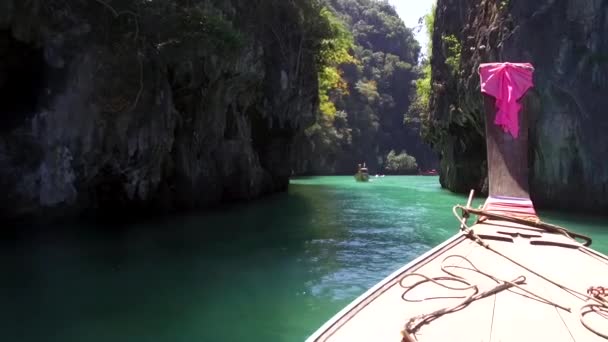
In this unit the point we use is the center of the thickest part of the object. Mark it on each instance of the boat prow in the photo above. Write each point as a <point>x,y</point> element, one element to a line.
<point>423,301</point>
<point>505,277</point>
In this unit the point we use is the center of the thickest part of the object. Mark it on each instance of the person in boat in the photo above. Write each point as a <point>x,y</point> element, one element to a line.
<point>364,168</point>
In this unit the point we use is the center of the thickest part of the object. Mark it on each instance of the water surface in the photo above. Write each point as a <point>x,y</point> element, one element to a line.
<point>274,270</point>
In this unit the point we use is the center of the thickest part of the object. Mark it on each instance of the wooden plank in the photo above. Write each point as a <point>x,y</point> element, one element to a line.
<point>578,271</point>
<point>473,323</point>
<point>519,317</point>
<point>572,268</point>
<point>507,156</point>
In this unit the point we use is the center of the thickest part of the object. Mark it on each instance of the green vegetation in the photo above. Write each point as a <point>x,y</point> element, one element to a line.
<point>453,47</point>
<point>419,112</point>
<point>171,27</point>
<point>335,50</point>
<point>214,27</point>
<point>429,24</point>
<point>364,95</point>
<point>401,163</point>
<point>364,55</point>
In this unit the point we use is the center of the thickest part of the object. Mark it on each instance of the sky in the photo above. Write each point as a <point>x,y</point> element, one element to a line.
<point>410,11</point>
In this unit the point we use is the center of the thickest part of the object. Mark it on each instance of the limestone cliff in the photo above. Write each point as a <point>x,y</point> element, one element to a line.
<point>567,41</point>
<point>149,105</point>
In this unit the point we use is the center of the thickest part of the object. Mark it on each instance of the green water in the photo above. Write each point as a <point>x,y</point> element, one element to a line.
<point>274,270</point>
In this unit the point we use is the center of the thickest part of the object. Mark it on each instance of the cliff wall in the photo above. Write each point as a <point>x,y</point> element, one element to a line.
<point>122,106</point>
<point>567,41</point>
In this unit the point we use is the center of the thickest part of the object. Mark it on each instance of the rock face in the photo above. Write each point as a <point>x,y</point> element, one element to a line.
<point>363,116</point>
<point>567,41</point>
<point>148,106</point>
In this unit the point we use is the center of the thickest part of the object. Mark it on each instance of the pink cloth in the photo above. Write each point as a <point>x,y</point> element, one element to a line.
<point>510,206</point>
<point>507,83</point>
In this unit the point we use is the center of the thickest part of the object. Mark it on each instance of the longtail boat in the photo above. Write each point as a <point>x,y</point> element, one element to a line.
<point>507,276</point>
<point>362,175</point>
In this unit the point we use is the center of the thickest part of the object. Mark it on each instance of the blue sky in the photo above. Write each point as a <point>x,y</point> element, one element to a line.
<point>410,11</point>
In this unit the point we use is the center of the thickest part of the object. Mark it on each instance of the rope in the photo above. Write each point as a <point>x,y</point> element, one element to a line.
<point>601,294</point>
<point>416,322</point>
<point>600,309</point>
<point>536,223</point>
<point>595,303</point>
<point>473,236</point>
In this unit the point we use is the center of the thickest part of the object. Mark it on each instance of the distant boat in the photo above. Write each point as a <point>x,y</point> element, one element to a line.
<point>362,175</point>
<point>507,276</point>
<point>431,172</point>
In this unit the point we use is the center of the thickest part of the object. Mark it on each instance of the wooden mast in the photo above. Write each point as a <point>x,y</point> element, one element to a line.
<point>507,156</point>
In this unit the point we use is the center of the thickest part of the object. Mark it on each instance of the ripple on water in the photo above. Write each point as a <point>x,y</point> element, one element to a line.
<point>360,270</point>
<point>361,260</point>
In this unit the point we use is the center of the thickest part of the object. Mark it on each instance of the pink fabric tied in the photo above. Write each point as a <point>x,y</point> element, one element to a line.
<point>507,83</point>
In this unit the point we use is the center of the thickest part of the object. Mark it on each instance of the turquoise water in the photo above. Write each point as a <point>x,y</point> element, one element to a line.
<point>274,270</point>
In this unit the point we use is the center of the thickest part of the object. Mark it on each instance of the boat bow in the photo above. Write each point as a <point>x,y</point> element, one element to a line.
<point>507,276</point>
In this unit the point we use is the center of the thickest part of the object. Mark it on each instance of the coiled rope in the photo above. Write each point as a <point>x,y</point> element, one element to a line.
<point>416,322</point>
<point>601,294</point>
<point>595,301</point>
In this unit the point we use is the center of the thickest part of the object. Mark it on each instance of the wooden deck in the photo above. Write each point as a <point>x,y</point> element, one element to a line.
<point>381,313</point>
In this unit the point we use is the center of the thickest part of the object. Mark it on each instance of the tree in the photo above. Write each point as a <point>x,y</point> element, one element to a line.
<point>401,163</point>
<point>375,91</point>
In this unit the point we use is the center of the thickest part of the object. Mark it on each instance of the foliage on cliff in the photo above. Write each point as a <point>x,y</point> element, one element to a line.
<point>446,118</point>
<point>336,47</point>
<point>157,105</point>
<point>401,163</point>
<point>367,109</point>
<point>419,111</point>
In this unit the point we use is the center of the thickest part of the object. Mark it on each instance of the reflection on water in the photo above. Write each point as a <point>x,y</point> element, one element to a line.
<point>271,271</point>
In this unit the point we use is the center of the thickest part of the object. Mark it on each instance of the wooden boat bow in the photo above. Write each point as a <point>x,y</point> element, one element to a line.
<point>507,276</point>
